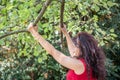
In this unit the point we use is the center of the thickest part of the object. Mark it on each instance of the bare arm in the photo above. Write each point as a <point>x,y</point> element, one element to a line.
<point>71,45</point>
<point>64,60</point>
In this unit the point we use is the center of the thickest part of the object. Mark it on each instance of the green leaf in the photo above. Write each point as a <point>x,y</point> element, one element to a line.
<point>95,18</point>
<point>97,8</point>
<point>36,53</point>
<point>102,43</point>
<point>9,7</point>
<point>39,60</point>
<point>114,35</point>
<point>95,1</point>
<point>45,36</point>
<point>105,5</point>
<point>84,12</point>
<point>111,30</point>
<point>44,56</point>
<point>110,3</point>
<point>2,42</point>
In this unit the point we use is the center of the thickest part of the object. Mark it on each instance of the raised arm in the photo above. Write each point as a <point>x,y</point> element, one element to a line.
<point>71,45</point>
<point>66,61</point>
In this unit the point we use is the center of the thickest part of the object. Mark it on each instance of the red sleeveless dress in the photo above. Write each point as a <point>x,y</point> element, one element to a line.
<point>72,76</point>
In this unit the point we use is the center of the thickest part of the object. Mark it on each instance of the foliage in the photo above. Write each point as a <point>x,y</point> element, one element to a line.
<point>21,57</point>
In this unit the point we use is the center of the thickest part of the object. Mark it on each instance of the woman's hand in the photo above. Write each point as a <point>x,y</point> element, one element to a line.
<point>63,29</point>
<point>31,27</point>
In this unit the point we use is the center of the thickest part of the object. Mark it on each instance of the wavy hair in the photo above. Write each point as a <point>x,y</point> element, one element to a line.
<point>92,54</point>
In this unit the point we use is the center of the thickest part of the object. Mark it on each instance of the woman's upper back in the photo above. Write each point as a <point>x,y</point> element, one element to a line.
<point>71,75</point>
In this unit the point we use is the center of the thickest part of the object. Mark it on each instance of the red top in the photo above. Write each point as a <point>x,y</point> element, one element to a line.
<point>72,76</point>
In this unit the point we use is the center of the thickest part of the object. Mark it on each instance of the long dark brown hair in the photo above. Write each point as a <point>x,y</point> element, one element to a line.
<point>92,54</point>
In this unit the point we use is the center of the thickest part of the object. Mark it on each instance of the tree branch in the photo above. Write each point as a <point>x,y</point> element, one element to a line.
<point>14,32</point>
<point>62,13</point>
<point>46,4</point>
<point>61,21</point>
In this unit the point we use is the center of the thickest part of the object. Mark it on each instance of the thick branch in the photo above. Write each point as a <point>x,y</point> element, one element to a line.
<point>14,32</point>
<point>61,21</point>
<point>46,4</point>
<point>62,12</point>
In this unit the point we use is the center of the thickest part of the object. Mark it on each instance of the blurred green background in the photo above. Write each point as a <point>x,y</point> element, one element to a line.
<point>22,58</point>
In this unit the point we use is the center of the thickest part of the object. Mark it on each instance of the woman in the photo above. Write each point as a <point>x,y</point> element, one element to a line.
<point>86,61</point>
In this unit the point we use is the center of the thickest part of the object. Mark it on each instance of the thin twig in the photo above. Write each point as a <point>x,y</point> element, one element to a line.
<point>14,32</point>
